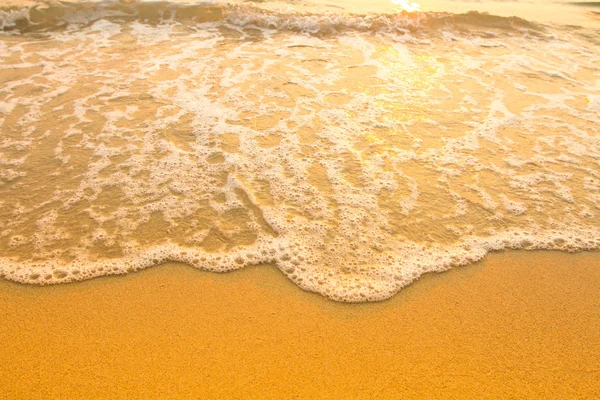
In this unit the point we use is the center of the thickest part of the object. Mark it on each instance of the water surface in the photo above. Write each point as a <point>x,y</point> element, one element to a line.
<point>354,146</point>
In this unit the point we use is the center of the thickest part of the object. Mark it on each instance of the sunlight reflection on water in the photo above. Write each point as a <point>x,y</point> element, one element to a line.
<point>405,5</point>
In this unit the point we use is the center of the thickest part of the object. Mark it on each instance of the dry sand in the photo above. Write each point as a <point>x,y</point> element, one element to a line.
<point>518,325</point>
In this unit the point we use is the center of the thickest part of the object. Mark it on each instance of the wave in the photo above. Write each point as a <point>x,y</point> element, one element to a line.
<point>47,16</point>
<point>380,283</point>
<point>354,165</point>
<point>586,3</point>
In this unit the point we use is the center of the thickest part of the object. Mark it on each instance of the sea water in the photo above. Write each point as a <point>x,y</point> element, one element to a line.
<point>355,145</point>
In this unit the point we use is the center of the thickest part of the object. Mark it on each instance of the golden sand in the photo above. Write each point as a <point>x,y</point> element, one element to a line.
<point>518,325</point>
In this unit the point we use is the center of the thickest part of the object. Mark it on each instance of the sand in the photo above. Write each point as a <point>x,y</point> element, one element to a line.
<point>517,325</point>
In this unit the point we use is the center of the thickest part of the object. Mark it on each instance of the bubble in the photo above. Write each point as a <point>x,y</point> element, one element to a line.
<point>335,174</point>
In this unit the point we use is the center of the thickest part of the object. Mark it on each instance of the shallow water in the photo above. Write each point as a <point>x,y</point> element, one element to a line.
<point>355,147</point>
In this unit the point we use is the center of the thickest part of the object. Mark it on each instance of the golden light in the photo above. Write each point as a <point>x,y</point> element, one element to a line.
<point>406,5</point>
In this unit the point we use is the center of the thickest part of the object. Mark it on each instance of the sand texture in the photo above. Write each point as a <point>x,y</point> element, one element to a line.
<point>518,325</point>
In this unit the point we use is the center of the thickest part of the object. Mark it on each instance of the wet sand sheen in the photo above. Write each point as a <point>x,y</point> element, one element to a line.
<point>517,325</point>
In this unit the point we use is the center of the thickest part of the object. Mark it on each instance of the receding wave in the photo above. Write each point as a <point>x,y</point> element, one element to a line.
<point>354,152</point>
<point>60,15</point>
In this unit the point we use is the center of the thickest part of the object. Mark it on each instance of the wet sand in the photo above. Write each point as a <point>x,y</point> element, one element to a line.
<point>517,325</point>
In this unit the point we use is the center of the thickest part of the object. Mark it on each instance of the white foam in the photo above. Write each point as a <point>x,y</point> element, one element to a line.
<point>353,198</point>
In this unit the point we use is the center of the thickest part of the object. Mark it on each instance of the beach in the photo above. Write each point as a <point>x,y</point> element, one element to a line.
<point>517,325</point>
<point>288,199</point>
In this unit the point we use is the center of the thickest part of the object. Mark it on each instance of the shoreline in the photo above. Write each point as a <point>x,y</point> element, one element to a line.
<point>517,324</point>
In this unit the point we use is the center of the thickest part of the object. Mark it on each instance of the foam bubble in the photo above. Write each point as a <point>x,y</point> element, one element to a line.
<point>353,162</point>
